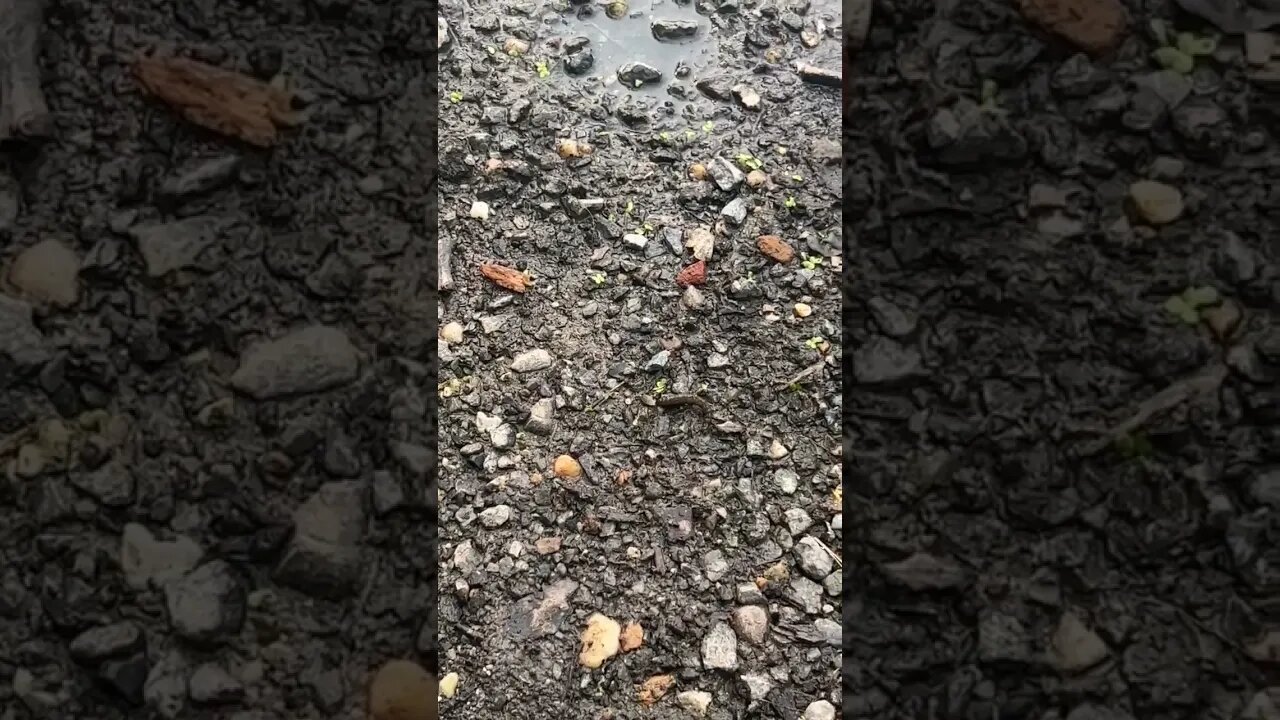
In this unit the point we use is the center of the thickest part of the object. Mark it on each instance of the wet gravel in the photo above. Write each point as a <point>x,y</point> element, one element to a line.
<point>639,453</point>
<point>1062,412</point>
<point>215,454</point>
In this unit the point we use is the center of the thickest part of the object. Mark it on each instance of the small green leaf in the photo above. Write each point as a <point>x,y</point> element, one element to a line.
<point>630,207</point>
<point>690,134</point>
<point>708,127</point>
<point>1201,297</point>
<point>798,178</point>
<point>989,90</point>
<point>1174,59</point>
<point>1182,310</point>
<point>455,97</point>
<point>1197,46</point>
<point>660,386</point>
<point>598,278</point>
<point>813,343</point>
<point>790,202</point>
<point>543,70</point>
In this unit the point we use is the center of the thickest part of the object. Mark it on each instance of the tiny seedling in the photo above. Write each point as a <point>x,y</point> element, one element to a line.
<point>798,178</point>
<point>749,162</point>
<point>599,278</point>
<point>989,92</point>
<point>455,97</point>
<point>811,262</point>
<point>660,386</point>
<point>790,202</point>
<point>1179,52</point>
<point>690,134</point>
<point>1188,306</point>
<point>708,127</point>
<point>630,207</point>
<point>543,70</point>
<point>814,342</point>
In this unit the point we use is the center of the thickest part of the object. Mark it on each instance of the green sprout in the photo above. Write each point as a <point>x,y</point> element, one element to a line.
<point>708,127</point>
<point>1179,52</point>
<point>660,386</point>
<point>811,262</point>
<point>798,178</point>
<point>599,278</point>
<point>543,70</point>
<point>814,342</point>
<point>455,97</point>
<point>630,207</point>
<point>749,162</point>
<point>1188,305</point>
<point>790,202</point>
<point>690,134</point>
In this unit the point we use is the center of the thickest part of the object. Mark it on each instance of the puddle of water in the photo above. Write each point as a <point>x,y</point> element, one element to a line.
<point>630,39</point>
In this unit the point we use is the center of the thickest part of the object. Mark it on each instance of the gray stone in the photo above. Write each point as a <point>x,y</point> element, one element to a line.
<point>758,687</point>
<point>539,615</point>
<point>694,702</point>
<point>466,559</point>
<point>20,342</point>
<point>797,521</point>
<point>751,622</point>
<point>165,689</point>
<point>673,29</point>
<point>211,685</point>
<point>634,74</point>
<point>806,593</point>
<point>735,212</point>
<point>813,558</point>
<point>720,648</point>
<point>496,516</point>
<point>819,710</point>
<point>325,558</point>
<point>308,360</point>
<point>147,561</point>
<point>172,246</point>
<point>531,361</point>
<point>47,272</point>
<point>715,565</point>
<point>829,630</point>
<point>882,361</point>
<point>115,640</point>
<point>787,480</point>
<point>541,417</point>
<point>207,606</point>
<point>1074,647</point>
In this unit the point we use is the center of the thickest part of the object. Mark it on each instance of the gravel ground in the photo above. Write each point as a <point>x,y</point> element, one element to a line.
<point>214,371</point>
<point>652,465</point>
<point>1064,355</point>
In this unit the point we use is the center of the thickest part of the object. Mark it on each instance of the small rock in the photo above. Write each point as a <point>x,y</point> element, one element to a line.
<point>751,622</point>
<point>757,178</point>
<point>923,571</point>
<point>1074,647</point>
<point>531,361</point>
<point>442,32</point>
<point>787,480</point>
<point>632,637</point>
<point>147,561</point>
<point>1259,47</point>
<point>208,605</point>
<point>819,710</point>
<point>802,310</point>
<point>747,96</point>
<point>47,272</point>
<point>403,690</point>
<point>449,685</point>
<point>758,687</point>
<point>701,242</point>
<point>309,360</point>
<point>693,298</point>
<point>696,702</point>
<point>97,644</point>
<point>720,648</point>
<point>1155,202</point>
<point>169,247</point>
<point>635,241</point>
<point>567,467</point>
<point>673,29</point>
<point>480,210</point>
<point>451,333</point>
<point>539,615</point>
<point>634,74</point>
<point>775,248</point>
<point>20,341</point>
<point>655,688</point>
<point>813,558</point>
<point>212,685</point>
<point>735,212</point>
<point>601,640</point>
<point>797,521</point>
<point>324,557</point>
<point>496,516</point>
<point>515,47</point>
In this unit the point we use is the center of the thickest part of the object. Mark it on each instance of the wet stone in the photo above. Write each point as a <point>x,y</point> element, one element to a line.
<point>47,272</point>
<point>20,342</point>
<point>149,561</point>
<point>119,639</point>
<point>324,558</point>
<point>178,245</point>
<point>882,361</point>
<point>673,29</point>
<point>212,685</point>
<point>751,622</point>
<point>208,605</point>
<point>813,559</point>
<point>633,74</point>
<point>307,360</point>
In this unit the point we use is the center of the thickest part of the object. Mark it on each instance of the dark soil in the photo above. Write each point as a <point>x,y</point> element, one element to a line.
<point>140,409</point>
<point>670,402</point>
<point>1019,549</point>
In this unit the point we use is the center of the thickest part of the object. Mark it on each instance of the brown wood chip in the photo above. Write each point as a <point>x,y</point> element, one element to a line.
<point>1095,26</point>
<point>224,101</point>
<point>511,279</point>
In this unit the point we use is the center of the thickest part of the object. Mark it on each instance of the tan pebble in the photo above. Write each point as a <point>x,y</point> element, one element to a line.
<point>698,171</point>
<point>449,685</point>
<point>632,637</point>
<point>451,333</point>
<point>567,467</point>
<point>47,272</point>
<point>601,640</point>
<point>655,688</point>
<point>802,310</point>
<point>757,178</point>
<point>515,47</point>
<point>548,545</point>
<point>403,690</point>
<point>1155,202</point>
